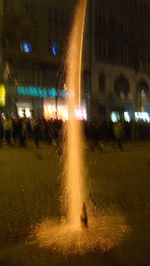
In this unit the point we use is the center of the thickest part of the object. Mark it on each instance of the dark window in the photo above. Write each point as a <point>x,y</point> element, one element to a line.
<point>143,59</point>
<point>101,18</point>
<point>143,32</point>
<point>26,9</point>
<point>102,111</point>
<point>56,16</point>
<point>101,48</point>
<point>101,81</point>
<point>122,25</point>
<point>50,17</point>
<point>62,20</point>
<point>5,4</point>
<point>4,42</point>
<point>122,51</point>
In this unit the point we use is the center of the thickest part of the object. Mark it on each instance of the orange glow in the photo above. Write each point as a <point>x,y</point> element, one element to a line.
<point>50,112</point>
<point>61,112</point>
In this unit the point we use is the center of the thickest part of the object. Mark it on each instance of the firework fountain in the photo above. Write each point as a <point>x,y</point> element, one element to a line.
<point>74,177</point>
<point>84,228</point>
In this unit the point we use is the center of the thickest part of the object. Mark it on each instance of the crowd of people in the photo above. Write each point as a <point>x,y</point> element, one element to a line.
<point>19,130</point>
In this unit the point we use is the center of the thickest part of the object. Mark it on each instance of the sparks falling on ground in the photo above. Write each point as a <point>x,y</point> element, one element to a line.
<point>104,230</point>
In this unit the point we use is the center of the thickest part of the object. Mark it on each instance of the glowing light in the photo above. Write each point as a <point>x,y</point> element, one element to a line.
<point>25,47</point>
<point>3,116</point>
<point>51,112</point>
<point>142,116</point>
<point>61,112</point>
<point>81,113</point>
<point>30,47</point>
<point>54,48</point>
<point>40,92</point>
<point>24,112</point>
<point>28,113</point>
<point>127,117</point>
<point>114,117</point>
<point>2,95</point>
<point>20,112</point>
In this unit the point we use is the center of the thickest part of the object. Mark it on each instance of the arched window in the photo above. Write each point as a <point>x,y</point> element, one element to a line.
<point>143,86</point>
<point>121,88</point>
<point>142,93</point>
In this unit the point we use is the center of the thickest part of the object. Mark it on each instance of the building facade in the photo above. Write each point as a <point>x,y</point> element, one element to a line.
<point>32,50</point>
<point>116,57</point>
<point>120,58</point>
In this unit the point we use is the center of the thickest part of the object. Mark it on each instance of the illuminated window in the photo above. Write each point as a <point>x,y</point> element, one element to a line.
<point>115,117</point>
<point>142,116</point>
<point>142,95</point>
<point>127,117</point>
<point>25,47</point>
<point>54,48</point>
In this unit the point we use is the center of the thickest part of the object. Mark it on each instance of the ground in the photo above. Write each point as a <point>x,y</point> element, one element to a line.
<point>30,181</point>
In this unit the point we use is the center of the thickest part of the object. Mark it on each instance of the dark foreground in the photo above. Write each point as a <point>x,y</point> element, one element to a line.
<point>30,189</point>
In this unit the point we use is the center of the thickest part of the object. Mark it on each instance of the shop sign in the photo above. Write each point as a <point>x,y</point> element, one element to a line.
<point>2,95</point>
<point>41,92</point>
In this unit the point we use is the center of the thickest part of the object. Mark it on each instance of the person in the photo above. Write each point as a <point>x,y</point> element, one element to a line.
<point>14,129</point>
<point>84,217</point>
<point>23,132</point>
<point>35,130</point>
<point>1,128</point>
<point>28,127</point>
<point>118,133</point>
<point>8,129</point>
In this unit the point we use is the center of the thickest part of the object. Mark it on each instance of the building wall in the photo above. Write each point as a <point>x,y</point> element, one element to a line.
<point>49,22</point>
<point>120,47</point>
<point>116,43</point>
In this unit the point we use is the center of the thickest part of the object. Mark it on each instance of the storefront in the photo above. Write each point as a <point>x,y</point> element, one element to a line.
<point>32,99</point>
<point>39,101</point>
